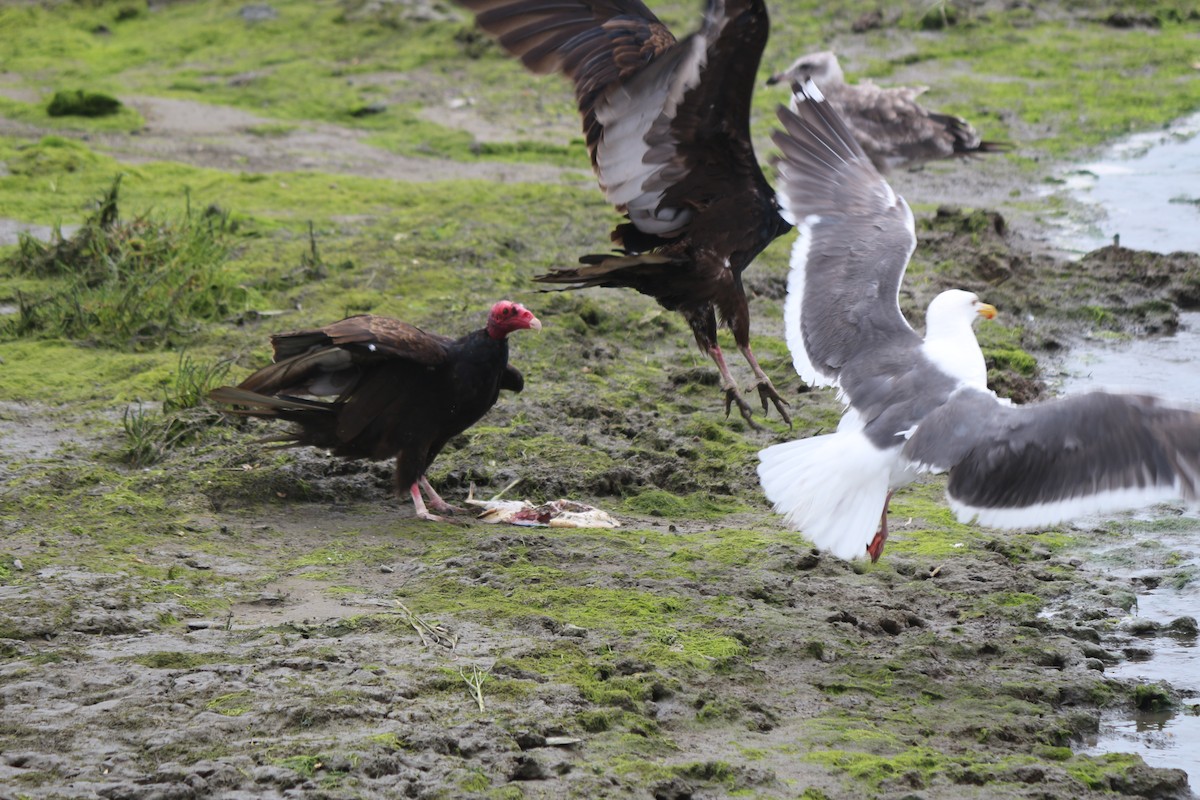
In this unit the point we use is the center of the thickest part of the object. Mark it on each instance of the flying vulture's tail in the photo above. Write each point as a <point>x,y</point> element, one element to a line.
<point>614,270</point>
<point>831,488</point>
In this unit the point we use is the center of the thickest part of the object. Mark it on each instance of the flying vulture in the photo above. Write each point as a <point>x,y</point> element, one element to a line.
<point>395,389</point>
<point>889,124</point>
<point>667,124</point>
<point>922,404</point>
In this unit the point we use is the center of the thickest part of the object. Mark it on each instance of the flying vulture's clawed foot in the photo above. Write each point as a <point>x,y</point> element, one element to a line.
<point>766,392</point>
<point>732,395</point>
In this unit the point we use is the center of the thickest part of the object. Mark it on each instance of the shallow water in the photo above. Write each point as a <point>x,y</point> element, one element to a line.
<point>1163,738</point>
<point>1164,365</point>
<point>1167,366</point>
<point>1146,189</point>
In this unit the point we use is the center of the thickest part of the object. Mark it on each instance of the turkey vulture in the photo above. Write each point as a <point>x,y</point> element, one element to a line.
<point>921,404</point>
<point>890,126</point>
<point>667,125</point>
<point>398,391</point>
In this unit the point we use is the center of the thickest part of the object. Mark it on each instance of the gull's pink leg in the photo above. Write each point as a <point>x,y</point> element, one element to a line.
<point>875,548</point>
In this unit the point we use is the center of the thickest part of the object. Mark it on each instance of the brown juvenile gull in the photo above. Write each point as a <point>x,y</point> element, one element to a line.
<point>891,126</point>
<point>922,405</point>
<point>667,125</point>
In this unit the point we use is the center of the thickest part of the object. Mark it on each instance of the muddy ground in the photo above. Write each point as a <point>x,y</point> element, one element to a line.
<point>280,626</point>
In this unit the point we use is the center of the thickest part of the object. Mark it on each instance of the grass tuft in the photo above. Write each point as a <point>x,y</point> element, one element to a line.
<point>184,416</point>
<point>141,284</point>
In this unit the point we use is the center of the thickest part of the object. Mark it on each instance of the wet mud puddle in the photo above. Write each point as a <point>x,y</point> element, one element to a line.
<point>1162,562</point>
<point>1146,189</point>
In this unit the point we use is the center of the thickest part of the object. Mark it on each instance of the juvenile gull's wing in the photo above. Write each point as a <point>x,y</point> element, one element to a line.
<point>1019,466</point>
<point>896,127</point>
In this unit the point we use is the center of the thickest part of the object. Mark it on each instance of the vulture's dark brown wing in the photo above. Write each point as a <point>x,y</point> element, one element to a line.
<point>652,106</point>
<point>369,337</point>
<point>713,117</point>
<point>322,361</point>
<point>595,43</point>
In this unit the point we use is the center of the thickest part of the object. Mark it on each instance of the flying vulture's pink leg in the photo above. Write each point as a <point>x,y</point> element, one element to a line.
<point>766,389</point>
<point>875,548</point>
<point>419,504</point>
<point>732,395</point>
<point>435,500</point>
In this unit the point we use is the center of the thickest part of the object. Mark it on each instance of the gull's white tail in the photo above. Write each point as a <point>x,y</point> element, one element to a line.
<point>831,488</point>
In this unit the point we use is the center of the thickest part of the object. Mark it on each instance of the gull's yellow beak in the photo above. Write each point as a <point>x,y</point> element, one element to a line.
<point>986,310</point>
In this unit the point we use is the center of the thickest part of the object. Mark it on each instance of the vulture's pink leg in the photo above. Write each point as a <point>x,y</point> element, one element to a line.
<point>435,500</point>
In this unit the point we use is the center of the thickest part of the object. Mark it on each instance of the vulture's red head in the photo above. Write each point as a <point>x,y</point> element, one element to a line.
<point>507,317</point>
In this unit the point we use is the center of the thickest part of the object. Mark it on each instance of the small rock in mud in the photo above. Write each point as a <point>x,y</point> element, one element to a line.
<point>529,740</point>
<point>1183,627</point>
<point>1098,653</point>
<point>869,21</point>
<point>1128,19</point>
<point>674,789</point>
<point>1143,781</point>
<point>562,741</point>
<point>279,776</point>
<point>1138,653</point>
<point>1140,627</point>
<point>527,768</point>
<point>368,110</point>
<point>258,12</point>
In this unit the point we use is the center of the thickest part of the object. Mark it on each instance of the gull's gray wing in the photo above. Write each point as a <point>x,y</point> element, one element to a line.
<point>1021,466</point>
<point>842,313</point>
